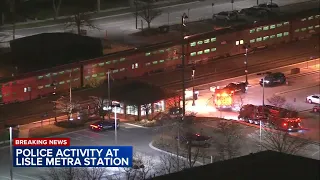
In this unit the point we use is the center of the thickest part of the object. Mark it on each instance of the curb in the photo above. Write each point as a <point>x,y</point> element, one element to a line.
<point>171,154</point>
<point>297,89</point>
<point>130,124</point>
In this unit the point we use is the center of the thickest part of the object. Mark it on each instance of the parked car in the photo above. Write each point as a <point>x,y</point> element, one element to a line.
<point>226,16</point>
<point>316,109</point>
<point>254,12</point>
<point>315,98</point>
<point>272,79</point>
<point>269,6</point>
<point>104,125</point>
<point>196,140</point>
<point>237,87</point>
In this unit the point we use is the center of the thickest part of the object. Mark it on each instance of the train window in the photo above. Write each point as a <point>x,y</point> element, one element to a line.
<point>310,18</point>
<point>0,96</point>
<point>303,19</point>
<point>115,61</point>
<point>69,70</point>
<point>285,33</point>
<point>241,41</point>
<point>68,81</point>
<point>206,51</point>
<point>252,40</point>
<point>148,64</point>
<point>168,49</point>
<point>94,75</point>
<point>237,43</point>
<point>200,42</point>
<point>279,35</point>
<point>272,26</point>
<point>266,28</point>
<point>174,58</point>
<point>61,72</point>
<point>148,54</point>
<point>115,71</point>
<point>161,51</point>
<point>213,39</point>
<point>317,26</point>
<point>310,27</point>
<point>122,59</point>
<point>168,59</point>
<point>108,62</point>
<point>48,75</point>
<point>193,44</point>
<point>101,74</point>
<point>101,64</point>
<point>303,29</point>
<point>47,85</point>
<point>193,54</point>
<point>161,61</point>
<point>77,79</point>
<point>206,41</point>
<point>122,69</point>
<point>252,30</point>
<point>213,49</point>
<point>265,38</point>
<point>317,16</point>
<point>200,52</point>
<point>286,23</point>
<point>40,77</point>
<point>259,29</point>
<point>61,82</point>
<point>272,36</point>
<point>40,87</point>
<point>76,69</point>
<point>297,30</point>
<point>279,25</point>
<point>259,39</point>
<point>155,62</point>
<point>94,65</point>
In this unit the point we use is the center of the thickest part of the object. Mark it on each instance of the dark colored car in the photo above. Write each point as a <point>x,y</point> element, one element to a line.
<point>272,79</point>
<point>104,125</point>
<point>316,109</point>
<point>254,12</point>
<point>196,139</point>
<point>237,87</point>
<point>270,6</point>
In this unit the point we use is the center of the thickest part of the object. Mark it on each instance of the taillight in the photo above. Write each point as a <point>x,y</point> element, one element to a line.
<point>94,126</point>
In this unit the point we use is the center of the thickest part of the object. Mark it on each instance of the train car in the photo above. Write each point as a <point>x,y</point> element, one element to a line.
<point>198,48</point>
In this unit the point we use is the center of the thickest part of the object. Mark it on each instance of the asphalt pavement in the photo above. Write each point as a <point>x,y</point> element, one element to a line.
<point>118,27</point>
<point>128,135</point>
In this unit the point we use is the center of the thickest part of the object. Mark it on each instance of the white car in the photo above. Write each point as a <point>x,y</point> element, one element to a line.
<point>315,98</point>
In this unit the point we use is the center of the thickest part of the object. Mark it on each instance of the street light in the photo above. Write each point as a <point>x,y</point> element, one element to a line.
<point>193,94</point>
<point>109,93</point>
<point>183,18</point>
<point>246,46</point>
<point>115,105</point>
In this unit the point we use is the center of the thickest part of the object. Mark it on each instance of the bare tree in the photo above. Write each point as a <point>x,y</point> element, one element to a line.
<point>80,20</point>
<point>99,104</point>
<point>56,8</point>
<point>146,108</point>
<point>147,12</point>
<point>227,142</point>
<point>64,105</point>
<point>280,141</point>
<point>95,82</point>
<point>278,101</point>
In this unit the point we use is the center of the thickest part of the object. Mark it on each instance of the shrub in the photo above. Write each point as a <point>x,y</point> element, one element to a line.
<point>70,124</point>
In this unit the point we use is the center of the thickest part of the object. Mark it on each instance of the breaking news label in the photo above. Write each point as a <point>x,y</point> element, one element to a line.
<point>57,152</point>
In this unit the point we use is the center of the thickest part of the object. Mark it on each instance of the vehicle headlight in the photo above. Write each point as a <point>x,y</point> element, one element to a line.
<point>266,81</point>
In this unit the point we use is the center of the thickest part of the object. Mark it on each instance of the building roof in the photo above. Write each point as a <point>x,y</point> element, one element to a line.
<point>262,165</point>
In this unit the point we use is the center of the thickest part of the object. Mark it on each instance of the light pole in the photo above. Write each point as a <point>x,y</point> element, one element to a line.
<point>212,7</point>
<point>193,94</point>
<point>136,13</point>
<point>115,119</point>
<point>70,94</point>
<point>11,165</point>
<point>183,18</point>
<point>246,62</point>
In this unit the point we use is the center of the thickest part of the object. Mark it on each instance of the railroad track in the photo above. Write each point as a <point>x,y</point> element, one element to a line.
<point>214,76</point>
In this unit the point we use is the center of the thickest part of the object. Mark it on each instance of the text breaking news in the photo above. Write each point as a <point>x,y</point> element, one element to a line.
<point>57,152</point>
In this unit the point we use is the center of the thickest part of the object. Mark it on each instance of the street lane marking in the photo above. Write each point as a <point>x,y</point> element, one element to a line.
<point>315,153</point>
<point>25,176</point>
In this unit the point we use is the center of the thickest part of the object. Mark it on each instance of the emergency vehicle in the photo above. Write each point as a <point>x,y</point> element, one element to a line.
<point>278,118</point>
<point>223,98</point>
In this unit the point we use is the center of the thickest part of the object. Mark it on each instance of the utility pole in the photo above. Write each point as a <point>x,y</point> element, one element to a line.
<point>70,95</point>
<point>11,165</point>
<point>136,9</point>
<point>13,10</point>
<point>98,6</point>
<point>193,93</point>
<point>184,16</point>
<point>109,101</point>
<point>212,7</point>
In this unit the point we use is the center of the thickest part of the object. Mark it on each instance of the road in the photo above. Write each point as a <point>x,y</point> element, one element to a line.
<point>300,86</point>
<point>119,27</point>
<point>128,135</point>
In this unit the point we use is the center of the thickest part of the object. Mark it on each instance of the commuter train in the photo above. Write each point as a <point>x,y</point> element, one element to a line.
<point>198,48</point>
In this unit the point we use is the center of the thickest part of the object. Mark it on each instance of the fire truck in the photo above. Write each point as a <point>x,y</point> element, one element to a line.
<point>223,98</point>
<point>278,118</point>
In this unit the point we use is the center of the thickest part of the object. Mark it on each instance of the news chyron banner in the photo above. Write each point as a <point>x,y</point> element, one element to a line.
<point>57,152</point>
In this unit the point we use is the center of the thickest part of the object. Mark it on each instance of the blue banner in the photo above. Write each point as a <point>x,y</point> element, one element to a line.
<point>73,156</point>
